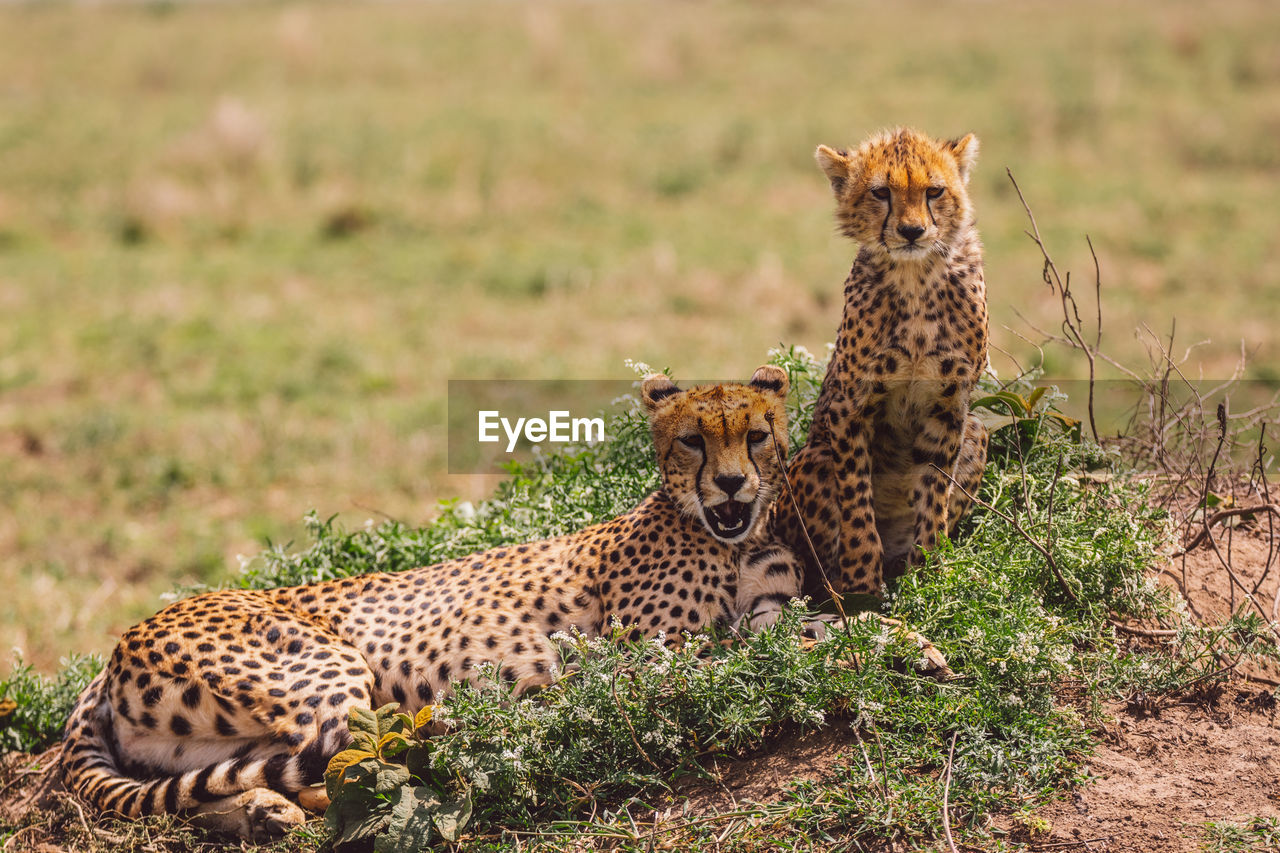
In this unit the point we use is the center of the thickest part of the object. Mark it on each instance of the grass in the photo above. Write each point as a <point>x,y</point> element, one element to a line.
<point>1253,835</point>
<point>595,756</point>
<point>236,271</point>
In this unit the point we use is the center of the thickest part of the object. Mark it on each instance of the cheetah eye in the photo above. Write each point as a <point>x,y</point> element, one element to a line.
<point>694,441</point>
<point>756,436</point>
<point>881,193</point>
<point>935,192</point>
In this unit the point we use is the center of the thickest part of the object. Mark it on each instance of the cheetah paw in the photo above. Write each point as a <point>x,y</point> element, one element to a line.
<point>271,814</point>
<point>256,815</point>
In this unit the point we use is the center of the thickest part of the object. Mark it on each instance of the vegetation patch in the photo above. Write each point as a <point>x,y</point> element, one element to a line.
<point>1025,605</point>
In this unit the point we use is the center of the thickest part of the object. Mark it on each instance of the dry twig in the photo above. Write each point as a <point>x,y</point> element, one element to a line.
<point>946,791</point>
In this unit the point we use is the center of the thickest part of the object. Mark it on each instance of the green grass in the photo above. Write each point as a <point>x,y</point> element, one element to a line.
<point>1254,835</point>
<point>242,251</point>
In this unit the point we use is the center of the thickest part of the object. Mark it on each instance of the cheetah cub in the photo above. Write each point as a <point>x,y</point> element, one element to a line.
<point>223,703</point>
<point>891,427</point>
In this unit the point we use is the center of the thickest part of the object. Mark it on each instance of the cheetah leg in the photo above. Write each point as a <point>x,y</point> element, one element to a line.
<point>770,577</point>
<point>968,473</point>
<point>215,743</point>
<point>832,489</point>
<point>859,566</point>
<point>810,479</point>
<point>931,663</point>
<point>768,580</point>
<point>936,450</point>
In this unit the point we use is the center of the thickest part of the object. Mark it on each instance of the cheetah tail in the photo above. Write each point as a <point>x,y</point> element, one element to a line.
<point>92,768</point>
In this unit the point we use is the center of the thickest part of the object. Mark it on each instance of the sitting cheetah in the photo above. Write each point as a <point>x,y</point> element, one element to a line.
<point>223,702</point>
<point>892,426</point>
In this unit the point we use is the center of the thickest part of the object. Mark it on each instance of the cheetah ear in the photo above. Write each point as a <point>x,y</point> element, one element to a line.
<point>655,388</point>
<point>771,379</point>
<point>965,150</point>
<point>835,165</point>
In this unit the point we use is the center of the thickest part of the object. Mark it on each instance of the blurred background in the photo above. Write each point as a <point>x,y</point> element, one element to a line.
<point>243,246</point>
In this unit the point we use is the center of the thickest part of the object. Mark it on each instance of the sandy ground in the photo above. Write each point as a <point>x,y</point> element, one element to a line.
<point>1159,778</point>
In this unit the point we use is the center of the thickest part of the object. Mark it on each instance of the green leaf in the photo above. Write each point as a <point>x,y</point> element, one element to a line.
<point>408,829</point>
<point>334,773</point>
<point>363,725</point>
<point>424,716</point>
<point>355,814</point>
<point>1071,425</point>
<point>995,422</point>
<point>452,817</point>
<point>382,777</point>
<point>1035,398</point>
<point>386,717</point>
<point>393,744</point>
<point>1003,402</point>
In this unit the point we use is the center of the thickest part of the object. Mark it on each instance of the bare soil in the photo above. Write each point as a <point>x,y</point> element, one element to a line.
<point>1253,554</point>
<point>1159,778</point>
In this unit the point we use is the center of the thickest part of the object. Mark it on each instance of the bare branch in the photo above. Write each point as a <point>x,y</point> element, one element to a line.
<point>946,791</point>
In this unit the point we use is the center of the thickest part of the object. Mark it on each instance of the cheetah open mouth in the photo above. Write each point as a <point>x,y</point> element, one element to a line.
<point>729,520</point>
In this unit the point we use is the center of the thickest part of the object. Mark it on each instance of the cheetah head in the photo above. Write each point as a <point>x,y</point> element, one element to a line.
<point>903,193</point>
<point>715,448</point>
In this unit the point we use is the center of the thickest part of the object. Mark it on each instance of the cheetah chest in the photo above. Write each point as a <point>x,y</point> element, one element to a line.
<point>920,363</point>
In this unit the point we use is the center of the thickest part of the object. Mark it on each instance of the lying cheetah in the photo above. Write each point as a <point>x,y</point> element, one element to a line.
<point>892,426</point>
<point>223,702</point>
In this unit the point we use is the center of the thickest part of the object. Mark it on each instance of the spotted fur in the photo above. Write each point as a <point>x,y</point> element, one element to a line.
<point>891,427</point>
<point>223,702</point>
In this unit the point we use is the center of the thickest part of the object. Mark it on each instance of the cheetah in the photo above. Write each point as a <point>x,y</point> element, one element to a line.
<point>224,704</point>
<point>892,428</point>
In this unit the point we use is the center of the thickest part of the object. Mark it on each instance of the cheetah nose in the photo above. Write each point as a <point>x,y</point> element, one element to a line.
<point>730,483</point>
<point>911,232</point>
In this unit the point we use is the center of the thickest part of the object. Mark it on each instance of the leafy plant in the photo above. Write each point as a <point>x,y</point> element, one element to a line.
<point>382,789</point>
<point>1008,408</point>
<point>34,707</point>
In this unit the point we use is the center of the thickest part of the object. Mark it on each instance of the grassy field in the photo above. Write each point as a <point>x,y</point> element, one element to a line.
<point>243,247</point>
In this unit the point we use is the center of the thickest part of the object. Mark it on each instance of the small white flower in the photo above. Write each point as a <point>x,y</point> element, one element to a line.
<point>638,367</point>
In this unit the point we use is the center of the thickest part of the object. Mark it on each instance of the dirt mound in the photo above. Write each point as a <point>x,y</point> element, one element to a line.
<point>1160,778</point>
